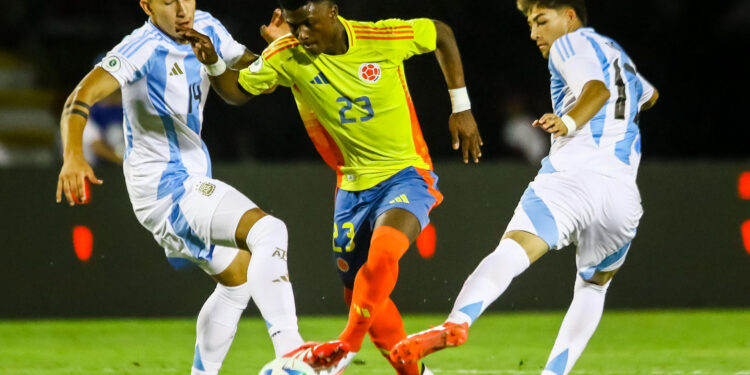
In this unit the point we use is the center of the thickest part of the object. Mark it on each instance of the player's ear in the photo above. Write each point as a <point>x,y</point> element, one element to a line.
<point>334,12</point>
<point>570,16</point>
<point>146,6</point>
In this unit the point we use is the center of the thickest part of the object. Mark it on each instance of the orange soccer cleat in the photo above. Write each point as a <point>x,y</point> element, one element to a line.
<point>320,356</point>
<point>419,345</point>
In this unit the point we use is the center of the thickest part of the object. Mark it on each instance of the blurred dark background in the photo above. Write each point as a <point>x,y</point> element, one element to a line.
<point>691,251</point>
<point>691,51</point>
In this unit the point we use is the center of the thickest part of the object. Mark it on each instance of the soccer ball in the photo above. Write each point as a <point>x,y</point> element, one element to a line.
<point>287,366</point>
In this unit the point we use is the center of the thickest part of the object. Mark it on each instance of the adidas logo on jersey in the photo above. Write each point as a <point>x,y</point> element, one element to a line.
<point>401,199</point>
<point>176,71</point>
<point>320,79</point>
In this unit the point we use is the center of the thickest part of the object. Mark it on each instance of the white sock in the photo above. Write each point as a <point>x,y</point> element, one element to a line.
<point>577,328</point>
<point>217,324</point>
<point>268,277</point>
<point>488,281</point>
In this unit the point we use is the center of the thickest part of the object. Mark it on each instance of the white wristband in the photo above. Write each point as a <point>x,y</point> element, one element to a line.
<point>570,124</point>
<point>460,100</point>
<point>216,69</point>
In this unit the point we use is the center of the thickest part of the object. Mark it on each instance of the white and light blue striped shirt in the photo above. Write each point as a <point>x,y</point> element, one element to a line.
<point>610,143</point>
<point>164,90</point>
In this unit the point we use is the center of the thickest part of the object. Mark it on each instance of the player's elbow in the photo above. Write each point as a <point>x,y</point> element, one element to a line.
<point>235,100</point>
<point>596,91</point>
<point>654,98</point>
<point>234,97</point>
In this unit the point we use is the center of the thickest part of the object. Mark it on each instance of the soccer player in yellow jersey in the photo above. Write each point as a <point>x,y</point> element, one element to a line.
<point>348,80</point>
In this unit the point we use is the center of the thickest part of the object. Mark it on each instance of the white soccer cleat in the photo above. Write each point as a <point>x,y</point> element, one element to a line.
<point>339,368</point>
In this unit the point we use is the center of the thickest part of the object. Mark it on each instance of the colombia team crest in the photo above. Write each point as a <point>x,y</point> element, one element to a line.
<point>370,72</point>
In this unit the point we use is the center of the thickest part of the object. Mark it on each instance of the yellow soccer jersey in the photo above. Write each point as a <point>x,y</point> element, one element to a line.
<point>356,107</point>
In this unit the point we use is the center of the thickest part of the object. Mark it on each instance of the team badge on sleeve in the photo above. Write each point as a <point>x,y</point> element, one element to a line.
<point>257,65</point>
<point>370,72</point>
<point>111,64</point>
<point>206,188</point>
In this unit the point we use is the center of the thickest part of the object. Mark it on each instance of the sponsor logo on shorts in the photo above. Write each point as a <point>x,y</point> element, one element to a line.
<point>400,199</point>
<point>343,265</point>
<point>206,188</point>
<point>278,253</point>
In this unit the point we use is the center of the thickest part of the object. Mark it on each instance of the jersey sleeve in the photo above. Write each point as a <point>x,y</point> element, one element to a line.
<point>402,39</point>
<point>226,46</point>
<point>128,61</point>
<point>577,61</point>
<point>648,91</point>
<point>261,76</point>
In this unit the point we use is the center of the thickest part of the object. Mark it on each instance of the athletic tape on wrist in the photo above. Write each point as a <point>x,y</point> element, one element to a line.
<point>460,100</point>
<point>570,124</point>
<point>216,69</point>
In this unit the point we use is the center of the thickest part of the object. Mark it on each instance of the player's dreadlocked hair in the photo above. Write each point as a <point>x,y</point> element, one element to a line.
<point>578,5</point>
<point>296,4</point>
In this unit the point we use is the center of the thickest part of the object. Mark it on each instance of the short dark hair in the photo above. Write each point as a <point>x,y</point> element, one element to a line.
<point>578,5</point>
<point>296,4</point>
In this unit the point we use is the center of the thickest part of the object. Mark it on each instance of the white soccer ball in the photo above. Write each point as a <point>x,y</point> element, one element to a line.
<point>287,366</point>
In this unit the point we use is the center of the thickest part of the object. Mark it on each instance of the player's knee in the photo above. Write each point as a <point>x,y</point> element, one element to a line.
<point>382,259</point>
<point>534,246</point>
<point>599,284</point>
<point>268,233</point>
<point>601,278</point>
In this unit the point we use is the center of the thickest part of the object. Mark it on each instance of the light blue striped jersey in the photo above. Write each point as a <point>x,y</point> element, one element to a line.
<point>164,90</point>
<point>610,142</point>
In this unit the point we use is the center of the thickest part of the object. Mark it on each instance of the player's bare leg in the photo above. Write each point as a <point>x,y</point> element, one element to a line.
<point>580,322</point>
<point>517,250</point>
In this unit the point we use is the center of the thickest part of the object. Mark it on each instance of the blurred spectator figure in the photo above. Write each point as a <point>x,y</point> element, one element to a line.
<point>518,133</point>
<point>103,140</point>
<point>27,123</point>
<point>737,18</point>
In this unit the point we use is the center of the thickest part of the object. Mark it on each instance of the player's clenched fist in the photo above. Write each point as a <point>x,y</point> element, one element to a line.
<point>202,45</point>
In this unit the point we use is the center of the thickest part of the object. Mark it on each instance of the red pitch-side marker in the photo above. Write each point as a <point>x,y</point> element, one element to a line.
<point>743,187</point>
<point>83,242</point>
<point>426,242</point>
<point>746,236</point>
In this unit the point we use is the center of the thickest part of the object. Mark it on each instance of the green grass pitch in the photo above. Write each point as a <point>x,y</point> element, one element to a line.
<point>641,342</point>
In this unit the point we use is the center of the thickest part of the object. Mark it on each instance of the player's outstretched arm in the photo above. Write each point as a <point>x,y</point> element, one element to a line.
<point>593,97</point>
<point>96,86</point>
<point>223,80</point>
<point>463,127</point>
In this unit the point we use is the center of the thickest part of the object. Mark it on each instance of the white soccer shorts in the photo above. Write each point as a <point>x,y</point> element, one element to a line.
<point>199,227</point>
<point>598,213</point>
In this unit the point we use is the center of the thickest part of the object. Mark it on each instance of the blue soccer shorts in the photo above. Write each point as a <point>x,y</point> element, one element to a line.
<point>412,189</point>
